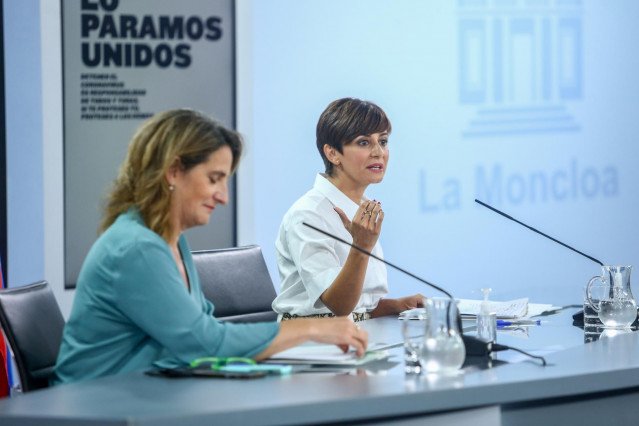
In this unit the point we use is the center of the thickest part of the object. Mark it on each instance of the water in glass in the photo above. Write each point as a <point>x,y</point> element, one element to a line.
<point>443,350</point>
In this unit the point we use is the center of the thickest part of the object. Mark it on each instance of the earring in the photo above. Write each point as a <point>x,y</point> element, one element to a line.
<point>171,187</point>
<point>337,163</point>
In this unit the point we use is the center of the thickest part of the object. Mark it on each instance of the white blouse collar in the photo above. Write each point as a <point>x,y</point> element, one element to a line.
<point>335,196</point>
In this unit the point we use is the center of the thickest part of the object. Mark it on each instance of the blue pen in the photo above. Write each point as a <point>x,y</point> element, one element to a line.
<point>502,323</point>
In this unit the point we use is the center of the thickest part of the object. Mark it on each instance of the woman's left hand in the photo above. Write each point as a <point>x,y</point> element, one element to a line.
<point>410,302</point>
<point>396,306</point>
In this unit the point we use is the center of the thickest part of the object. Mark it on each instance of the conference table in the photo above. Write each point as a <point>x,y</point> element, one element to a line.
<point>584,383</point>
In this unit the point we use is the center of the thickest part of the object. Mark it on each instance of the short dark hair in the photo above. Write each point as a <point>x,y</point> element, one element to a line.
<point>345,119</point>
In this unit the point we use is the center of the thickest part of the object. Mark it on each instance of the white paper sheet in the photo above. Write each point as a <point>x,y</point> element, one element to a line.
<point>518,308</point>
<point>324,355</point>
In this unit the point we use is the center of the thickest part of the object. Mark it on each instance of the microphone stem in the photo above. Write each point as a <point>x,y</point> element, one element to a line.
<point>380,259</point>
<point>537,231</point>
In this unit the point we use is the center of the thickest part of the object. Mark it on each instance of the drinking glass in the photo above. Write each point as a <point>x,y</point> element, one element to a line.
<point>413,332</point>
<point>443,350</point>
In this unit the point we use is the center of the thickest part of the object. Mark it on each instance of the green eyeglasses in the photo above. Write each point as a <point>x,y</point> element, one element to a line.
<point>219,363</point>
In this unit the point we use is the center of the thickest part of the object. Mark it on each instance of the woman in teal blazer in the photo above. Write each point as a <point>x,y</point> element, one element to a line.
<point>138,300</point>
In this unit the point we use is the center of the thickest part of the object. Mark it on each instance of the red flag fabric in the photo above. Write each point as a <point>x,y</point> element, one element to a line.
<point>4,365</point>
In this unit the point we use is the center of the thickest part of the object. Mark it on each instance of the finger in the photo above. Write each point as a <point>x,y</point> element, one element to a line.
<point>344,348</point>
<point>372,213</point>
<point>380,219</point>
<point>367,213</point>
<point>360,342</point>
<point>360,212</point>
<point>342,216</point>
<point>376,208</point>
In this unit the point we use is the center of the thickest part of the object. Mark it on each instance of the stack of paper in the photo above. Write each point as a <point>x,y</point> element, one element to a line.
<point>518,308</point>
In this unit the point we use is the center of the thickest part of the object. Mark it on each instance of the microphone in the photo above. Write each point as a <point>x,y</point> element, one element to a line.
<point>579,316</point>
<point>537,231</point>
<point>474,346</point>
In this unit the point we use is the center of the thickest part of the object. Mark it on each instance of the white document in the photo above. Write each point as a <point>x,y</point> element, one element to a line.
<point>517,308</point>
<point>324,355</point>
<point>535,309</point>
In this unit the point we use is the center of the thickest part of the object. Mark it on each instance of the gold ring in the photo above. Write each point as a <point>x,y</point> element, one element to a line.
<point>369,212</point>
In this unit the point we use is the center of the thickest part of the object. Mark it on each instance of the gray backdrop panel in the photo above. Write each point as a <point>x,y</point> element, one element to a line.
<point>100,117</point>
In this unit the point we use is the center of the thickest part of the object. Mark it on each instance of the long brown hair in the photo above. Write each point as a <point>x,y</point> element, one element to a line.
<point>183,134</point>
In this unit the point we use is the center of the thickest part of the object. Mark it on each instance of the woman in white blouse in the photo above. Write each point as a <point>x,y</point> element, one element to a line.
<point>319,275</point>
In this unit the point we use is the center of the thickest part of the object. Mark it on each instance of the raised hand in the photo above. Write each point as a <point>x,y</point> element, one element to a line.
<point>366,225</point>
